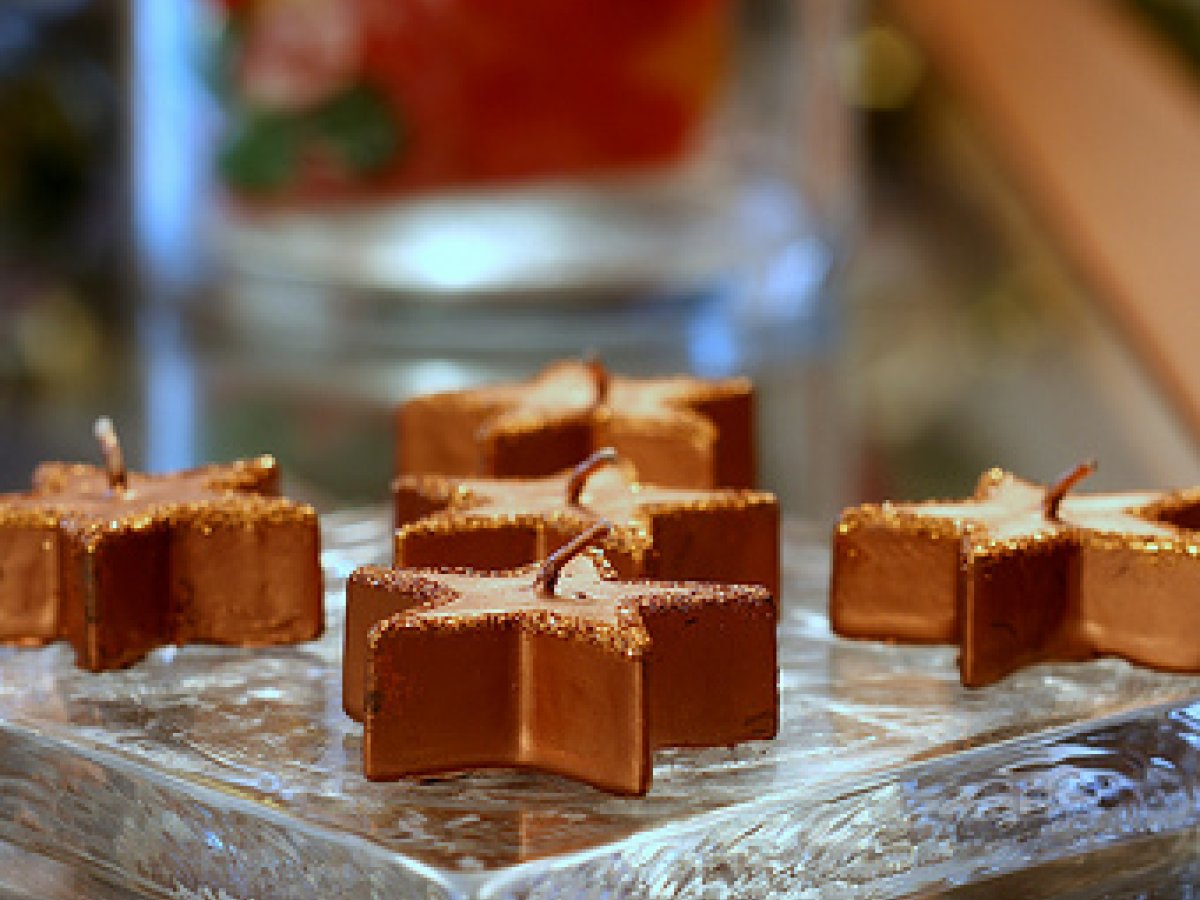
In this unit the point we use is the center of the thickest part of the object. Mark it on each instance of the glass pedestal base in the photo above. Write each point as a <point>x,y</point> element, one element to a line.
<point>214,772</point>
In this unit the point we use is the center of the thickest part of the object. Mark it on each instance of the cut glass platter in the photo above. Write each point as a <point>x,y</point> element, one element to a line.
<point>219,772</point>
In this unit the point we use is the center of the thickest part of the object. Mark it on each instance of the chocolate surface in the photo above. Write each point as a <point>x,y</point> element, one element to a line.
<point>208,555</point>
<point>1012,584</point>
<point>678,431</point>
<point>474,669</point>
<point>729,536</point>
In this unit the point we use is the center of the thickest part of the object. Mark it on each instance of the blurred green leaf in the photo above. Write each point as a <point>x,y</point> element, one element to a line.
<point>261,154</point>
<point>361,127</point>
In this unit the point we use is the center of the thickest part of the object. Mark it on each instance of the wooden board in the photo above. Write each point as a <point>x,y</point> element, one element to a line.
<point>1099,126</point>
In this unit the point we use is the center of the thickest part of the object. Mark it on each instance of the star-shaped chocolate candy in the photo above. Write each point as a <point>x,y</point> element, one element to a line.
<point>656,532</point>
<point>118,563</point>
<point>730,536</point>
<point>679,431</point>
<point>1021,574</point>
<point>581,674</point>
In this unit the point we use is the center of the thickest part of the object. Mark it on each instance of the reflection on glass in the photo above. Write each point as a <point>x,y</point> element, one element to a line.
<point>886,776</point>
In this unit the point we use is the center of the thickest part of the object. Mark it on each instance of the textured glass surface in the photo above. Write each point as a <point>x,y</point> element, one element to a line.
<point>207,770</point>
<point>30,876</point>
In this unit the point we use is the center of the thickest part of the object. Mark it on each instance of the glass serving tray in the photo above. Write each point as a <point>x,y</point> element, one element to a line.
<point>214,772</point>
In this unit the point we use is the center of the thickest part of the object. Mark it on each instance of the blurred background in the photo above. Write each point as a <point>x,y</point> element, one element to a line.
<point>940,236</point>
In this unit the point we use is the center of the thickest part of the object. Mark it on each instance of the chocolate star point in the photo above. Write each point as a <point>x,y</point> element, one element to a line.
<point>584,677</point>
<point>1020,574</point>
<point>679,431</point>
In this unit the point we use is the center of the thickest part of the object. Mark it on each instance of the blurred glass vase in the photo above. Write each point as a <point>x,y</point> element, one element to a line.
<point>424,194</point>
<point>471,146</point>
<point>336,99</point>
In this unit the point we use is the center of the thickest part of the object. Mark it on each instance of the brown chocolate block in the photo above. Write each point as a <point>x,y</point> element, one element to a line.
<point>729,536</point>
<point>206,555</point>
<point>583,679</point>
<point>1019,607</point>
<point>895,576</point>
<point>1140,584</point>
<point>1020,574</point>
<point>679,431</point>
<point>29,576</point>
<point>657,532</point>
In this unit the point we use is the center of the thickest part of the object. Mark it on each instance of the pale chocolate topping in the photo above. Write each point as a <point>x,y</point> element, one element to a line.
<point>546,580</point>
